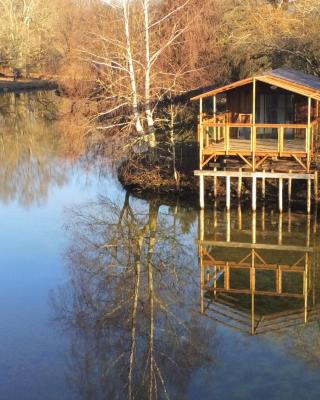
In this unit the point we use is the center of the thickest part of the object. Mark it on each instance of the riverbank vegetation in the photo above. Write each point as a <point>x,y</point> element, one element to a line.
<point>130,66</point>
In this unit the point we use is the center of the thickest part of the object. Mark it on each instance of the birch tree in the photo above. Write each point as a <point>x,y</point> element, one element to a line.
<point>134,70</point>
<point>133,337</point>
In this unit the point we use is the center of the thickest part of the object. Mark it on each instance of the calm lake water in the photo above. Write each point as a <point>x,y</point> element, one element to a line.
<point>107,296</point>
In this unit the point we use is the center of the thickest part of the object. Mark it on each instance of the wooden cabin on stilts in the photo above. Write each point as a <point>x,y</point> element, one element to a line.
<point>260,128</point>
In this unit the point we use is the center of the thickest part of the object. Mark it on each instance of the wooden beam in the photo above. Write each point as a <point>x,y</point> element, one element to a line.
<point>256,292</point>
<point>211,122</point>
<point>257,174</point>
<point>299,161</point>
<point>309,197</point>
<point>281,139</point>
<point>308,135</point>
<point>207,160</point>
<point>214,117</point>
<point>201,192</point>
<point>264,267</point>
<point>280,195</point>
<point>254,194</point>
<point>253,129</point>
<point>289,188</point>
<point>223,88</point>
<point>261,246</point>
<point>245,160</point>
<point>201,134</point>
<point>239,184</point>
<point>315,183</point>
<point>263,186</point>
<point>262,161</point>
<point>228,193</point>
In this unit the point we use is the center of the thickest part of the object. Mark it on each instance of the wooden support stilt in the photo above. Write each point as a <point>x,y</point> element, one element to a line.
<point>280,194</point>
<point>263,187</point>
<point>289,189</point>
<point>309,196</point>
<point>201,236</point>
<point>254,228</point>
<point>263,219</point>
<point>252,314</point>
<point>308,230</point>
<point>280,230</point>
<point>252,287</point>
<point>201,224</point>
<point>227,276</point>
<point>215,184</point>
<point>201,184</point>
<point>315,183</point>
<point>239,184</point>
<point>254,193</point>
<point>228,235</point>
<point>289,220</point>
<point>239,217</point>
<point>228,194</point>
<point>305,288</point>
<point>279,280</point>
<point>215,216</point>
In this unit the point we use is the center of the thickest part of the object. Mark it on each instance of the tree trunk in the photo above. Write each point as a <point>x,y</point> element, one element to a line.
<point>135,110</point>
<point>149,116</point>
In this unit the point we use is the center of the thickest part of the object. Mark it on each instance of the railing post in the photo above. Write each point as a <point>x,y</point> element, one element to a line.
<point>280,140</point>
<point>228,138</point>
<point>253,129</point>
<point>308,131</point>
<point>214,118</point>
<point>207,135</point>
<point>201,136</point>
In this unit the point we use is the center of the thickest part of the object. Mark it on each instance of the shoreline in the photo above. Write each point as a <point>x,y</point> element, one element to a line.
<point>10,86</point>
<point>132,180</point>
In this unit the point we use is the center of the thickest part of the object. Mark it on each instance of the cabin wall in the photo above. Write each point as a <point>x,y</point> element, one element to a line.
<point>239,101</point>
<point>273,105</point>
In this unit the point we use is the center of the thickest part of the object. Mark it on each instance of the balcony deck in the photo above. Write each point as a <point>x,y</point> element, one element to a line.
<point>263,146</point>
<point>219,137</point>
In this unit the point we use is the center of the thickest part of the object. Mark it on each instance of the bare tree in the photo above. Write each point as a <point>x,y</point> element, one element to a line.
<point>127,303</point>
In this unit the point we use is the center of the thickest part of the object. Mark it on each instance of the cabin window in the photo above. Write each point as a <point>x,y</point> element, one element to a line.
<point>275,108</point>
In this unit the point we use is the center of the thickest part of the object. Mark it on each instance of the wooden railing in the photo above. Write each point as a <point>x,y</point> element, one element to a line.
<point>219,137</point>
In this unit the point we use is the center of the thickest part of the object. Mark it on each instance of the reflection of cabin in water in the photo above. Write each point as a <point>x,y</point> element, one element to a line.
<point>254,278</point>
<point>266,123</point>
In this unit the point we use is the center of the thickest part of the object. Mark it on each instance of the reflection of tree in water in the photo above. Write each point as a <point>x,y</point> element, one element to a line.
<point>29,146</point>
<point>128,304</point>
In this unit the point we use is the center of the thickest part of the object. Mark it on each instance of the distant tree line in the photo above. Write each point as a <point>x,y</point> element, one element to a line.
<point>124,58</point>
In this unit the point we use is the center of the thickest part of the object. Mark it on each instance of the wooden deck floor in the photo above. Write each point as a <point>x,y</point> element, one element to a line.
<point>296,146</point>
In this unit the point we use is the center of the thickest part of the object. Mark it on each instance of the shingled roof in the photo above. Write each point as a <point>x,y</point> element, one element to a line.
<point>288,79</point>
<point>299,77</point>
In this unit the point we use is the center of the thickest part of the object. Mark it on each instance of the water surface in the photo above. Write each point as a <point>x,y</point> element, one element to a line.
<point>107,296</point>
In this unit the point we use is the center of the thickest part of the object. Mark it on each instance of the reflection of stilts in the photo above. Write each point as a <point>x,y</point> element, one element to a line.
<point>270,279</point>
<point>263,175</point>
